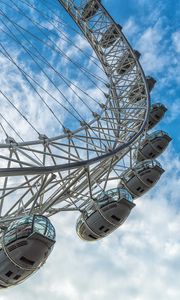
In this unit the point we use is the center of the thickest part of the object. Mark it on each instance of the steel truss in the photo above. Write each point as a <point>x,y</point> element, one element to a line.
<point>63,173</point>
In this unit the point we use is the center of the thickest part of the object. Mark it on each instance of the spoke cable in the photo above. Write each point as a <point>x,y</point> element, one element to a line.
<point>52,20</point>
<point>28,52</point>
<point>59,50</point>
<point>26,77</point>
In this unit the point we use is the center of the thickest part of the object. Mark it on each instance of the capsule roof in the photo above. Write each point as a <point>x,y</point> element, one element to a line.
<point>110,210</point>
<point>156,114</point>
<point>149,163</point>
<point>143,176</point>
<point>158,105</point>
<point>115,194</point>
<point>150,82</point>
<point>28,225</point>
<point>137,54</point>
<point>153,145</point>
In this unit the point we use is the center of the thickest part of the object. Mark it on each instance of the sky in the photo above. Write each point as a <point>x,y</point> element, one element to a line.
<point>141,260</point>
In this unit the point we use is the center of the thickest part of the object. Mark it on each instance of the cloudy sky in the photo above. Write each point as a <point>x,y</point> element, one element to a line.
<point>141,260</point>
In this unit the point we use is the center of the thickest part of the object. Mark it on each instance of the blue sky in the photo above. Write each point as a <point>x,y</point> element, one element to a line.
<point>140,261</point>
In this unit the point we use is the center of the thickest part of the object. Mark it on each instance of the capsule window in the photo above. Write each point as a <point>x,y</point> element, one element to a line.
<point>106,230</point>
<point>27,261</point>
<point>139,189</point>
<point>149,180</point>
<point>151,154</point>
<point>115,218</point>
<point>9,273</point>
<point>17,277</point>
<point>20,244</point>
<point>159,147</point>
<point>93,237</point>
<point>101,228</point>
<point>11,248</point>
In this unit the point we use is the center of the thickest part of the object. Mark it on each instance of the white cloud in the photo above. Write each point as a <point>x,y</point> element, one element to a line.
<point>174,111</point>
<point>176,41</point>
<point>150,45</point>
<point>140,261</point>
<point>131,28</point>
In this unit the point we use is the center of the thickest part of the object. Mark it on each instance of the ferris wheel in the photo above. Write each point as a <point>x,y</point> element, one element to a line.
<point>74,126</point>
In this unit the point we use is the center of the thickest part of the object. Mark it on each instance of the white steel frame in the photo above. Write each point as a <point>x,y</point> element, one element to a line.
<point>64,172</point>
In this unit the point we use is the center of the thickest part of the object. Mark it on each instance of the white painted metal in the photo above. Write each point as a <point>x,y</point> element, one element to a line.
<point>63,173</point>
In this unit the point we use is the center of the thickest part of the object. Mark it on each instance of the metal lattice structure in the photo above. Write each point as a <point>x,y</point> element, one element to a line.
<point>63,173</point>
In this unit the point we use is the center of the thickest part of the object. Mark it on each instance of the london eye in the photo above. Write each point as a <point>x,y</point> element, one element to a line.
<point>76,124</point>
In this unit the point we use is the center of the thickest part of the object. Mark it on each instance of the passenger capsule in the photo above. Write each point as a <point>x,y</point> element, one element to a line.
<point>110,210</point>
<point>138,91</point>
<point>157,112</point>
<point>153,145</point>
<point>141,178</point>
<point>150,82</point>
<point>90,9</point>
<point>25,246</point>
<point>127,62</point>
<point>110,36</point>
